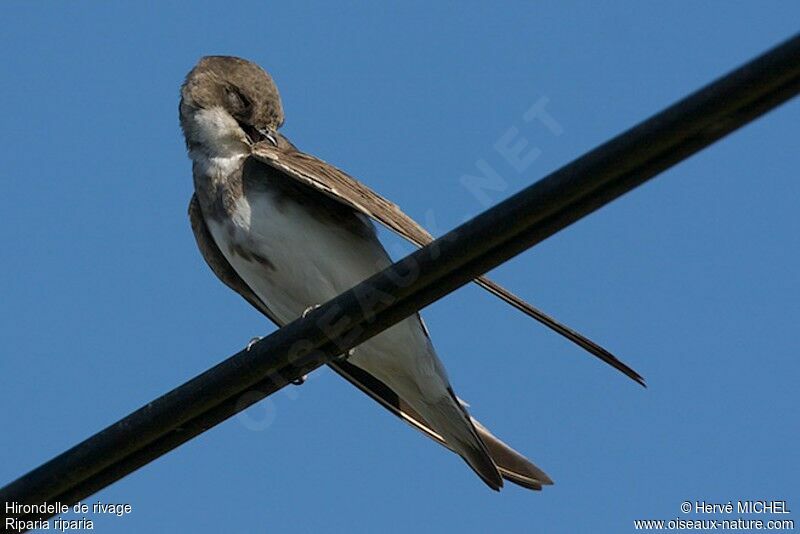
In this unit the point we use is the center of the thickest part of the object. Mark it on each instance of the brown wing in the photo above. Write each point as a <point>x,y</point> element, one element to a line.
<point>338,185</point>
<point>512,465</point>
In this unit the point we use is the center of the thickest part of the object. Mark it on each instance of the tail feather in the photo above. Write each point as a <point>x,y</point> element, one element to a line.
<point>482,464</point>
<point>450,420</point>
<point>513,466</point>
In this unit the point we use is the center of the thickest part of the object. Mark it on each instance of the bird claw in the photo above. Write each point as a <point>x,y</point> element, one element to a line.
<point>310,309</point>
<point>253,342</point>
<point>343,356</point>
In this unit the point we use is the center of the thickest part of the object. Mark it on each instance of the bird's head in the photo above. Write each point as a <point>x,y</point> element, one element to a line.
<point>227,104</point>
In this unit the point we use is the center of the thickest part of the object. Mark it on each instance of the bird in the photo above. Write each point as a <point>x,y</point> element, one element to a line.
<point>288,231</point>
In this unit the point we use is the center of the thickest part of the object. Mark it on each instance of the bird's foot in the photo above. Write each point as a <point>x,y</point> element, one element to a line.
<point>300,381</point>
<point>343,357</point>
<point>253,342</point>
<point>310,309</point>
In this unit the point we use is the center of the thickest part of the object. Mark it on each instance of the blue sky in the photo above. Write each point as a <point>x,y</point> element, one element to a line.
<point>692,278</point>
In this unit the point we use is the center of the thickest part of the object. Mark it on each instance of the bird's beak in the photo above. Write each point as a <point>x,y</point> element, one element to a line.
<point>269,135</point>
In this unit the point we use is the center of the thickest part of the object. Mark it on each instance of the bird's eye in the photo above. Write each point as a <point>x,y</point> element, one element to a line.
<point>236,100</point>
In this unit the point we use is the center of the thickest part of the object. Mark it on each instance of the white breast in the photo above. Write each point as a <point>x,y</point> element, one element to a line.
<point>297,261</point>
<point>303,262</point>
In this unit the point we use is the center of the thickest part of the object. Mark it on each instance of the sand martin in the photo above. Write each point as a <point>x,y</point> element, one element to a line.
<point>288,231</point>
